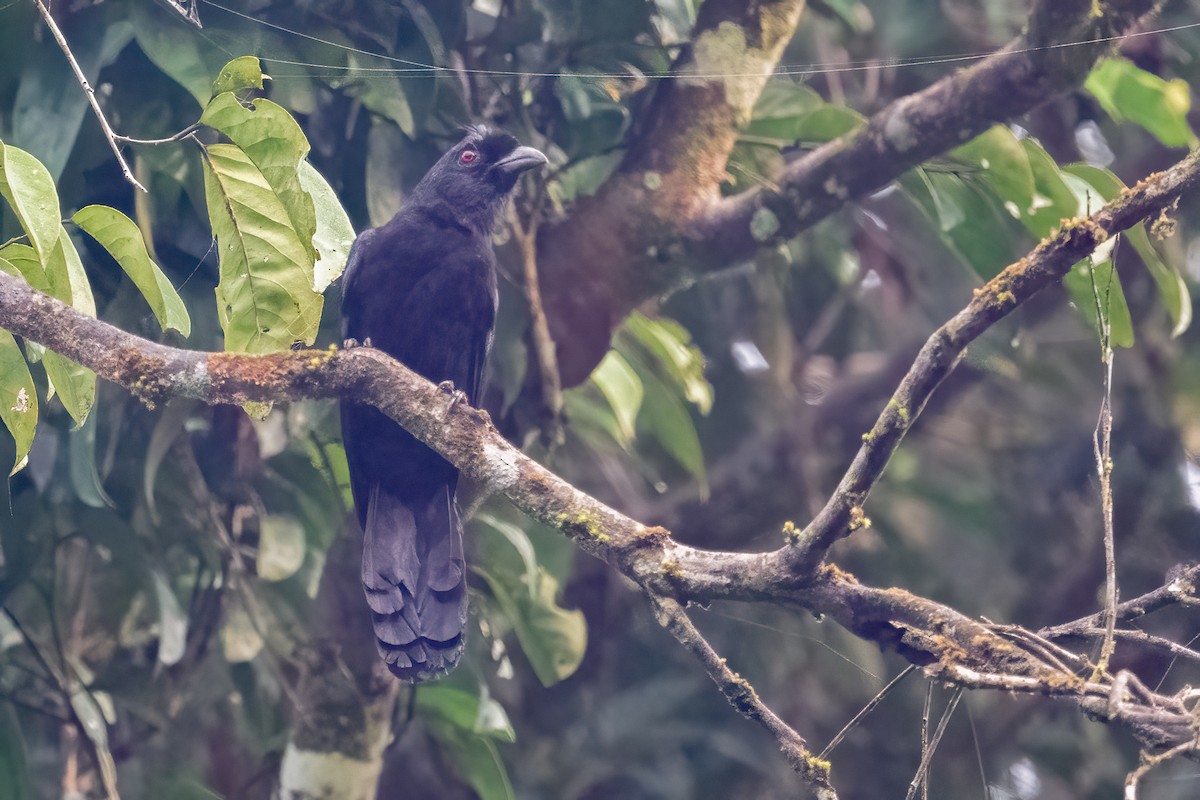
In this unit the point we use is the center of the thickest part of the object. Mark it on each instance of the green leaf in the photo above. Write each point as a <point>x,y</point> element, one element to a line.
<point>1078,283</point>
<point>240,639</point>
<point>1171,285</point>
<point>334,235</point>
<point>779,109</point>
<point>478,759</point>
<point>855,15</point>
<point>480,715</point>
<point>120,236</point>
<point>265,299</point>
<point>827,123</point>
<point>18,396</point>
<point>244,72</point>
<point>172,623</point>
<point>1053,201</point>
<point>1129,93</point>
<point>85,477</point>
<point>14,767</point>
<point>174,48</point>
<point>280,547</point>
<point>274,142</point>
<point>75,385</point>
<point>668,420</point>
<point>551,637</point>
<point>30,191</point>
<point>516,537</point>
<point>682,362</point>
<point>1005,166</point>
<point>383,96</point>
<point>622,388</point>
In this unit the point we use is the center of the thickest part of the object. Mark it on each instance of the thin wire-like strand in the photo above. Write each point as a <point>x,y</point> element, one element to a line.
<point>421,69</point>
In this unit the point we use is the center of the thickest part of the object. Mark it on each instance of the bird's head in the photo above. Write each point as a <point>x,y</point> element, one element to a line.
<point>475,175</point>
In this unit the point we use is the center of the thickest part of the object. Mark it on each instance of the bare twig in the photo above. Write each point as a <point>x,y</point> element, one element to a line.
<point>1149,762</point>
<point>927,751</point>
<point>178,137</point>
<point>1102,450</point>
<point>867,709</point>
<point>89,92</point>
<point>543,343</point>
<point>1180,588</point>
<point>1139,637</point>
<point>741,695</point>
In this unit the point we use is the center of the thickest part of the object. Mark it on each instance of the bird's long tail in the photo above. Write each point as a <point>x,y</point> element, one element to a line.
<point>414,574</point>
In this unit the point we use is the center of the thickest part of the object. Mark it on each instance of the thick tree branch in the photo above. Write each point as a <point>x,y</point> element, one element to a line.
<point>658,223</point>
<point>948,645</point>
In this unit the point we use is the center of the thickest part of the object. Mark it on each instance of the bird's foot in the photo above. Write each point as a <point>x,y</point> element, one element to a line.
<point>456,396</point>
<point>351,343</point>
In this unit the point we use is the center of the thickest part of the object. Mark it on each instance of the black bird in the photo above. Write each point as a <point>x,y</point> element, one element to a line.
<point>422,288</point>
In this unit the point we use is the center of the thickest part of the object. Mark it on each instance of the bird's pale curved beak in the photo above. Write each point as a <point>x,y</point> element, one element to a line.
<point>519,160</point>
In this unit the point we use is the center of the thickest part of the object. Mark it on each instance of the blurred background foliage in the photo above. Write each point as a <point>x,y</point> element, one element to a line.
<point>159,565</point>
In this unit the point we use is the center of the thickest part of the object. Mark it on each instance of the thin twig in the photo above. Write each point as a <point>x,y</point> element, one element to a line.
<point>543,343</point>
<point>1180,587</point>
<point>741,695</point>
<point>1140,637</point>
<point>867,709</point>
<point>183,134</point>
<point>920,779</point>
<point>1149,762</point>
<point>1102,449</point>
<point>89,92</point>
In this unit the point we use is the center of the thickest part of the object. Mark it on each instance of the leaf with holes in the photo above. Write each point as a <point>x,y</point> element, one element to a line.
<point>243,72</point>
<point>265,299</point>
<point>273,141</point>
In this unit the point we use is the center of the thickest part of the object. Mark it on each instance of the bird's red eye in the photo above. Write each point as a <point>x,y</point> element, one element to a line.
<point>468,157</point>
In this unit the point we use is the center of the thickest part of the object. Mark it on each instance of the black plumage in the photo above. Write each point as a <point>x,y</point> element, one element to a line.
<point>422,288</point>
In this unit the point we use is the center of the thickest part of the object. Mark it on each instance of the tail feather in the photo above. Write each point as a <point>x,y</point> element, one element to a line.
<point>414,572</point>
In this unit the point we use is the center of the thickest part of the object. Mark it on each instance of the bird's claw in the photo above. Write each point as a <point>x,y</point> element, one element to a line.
<point>351,343</point>
<point>456,396</point>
